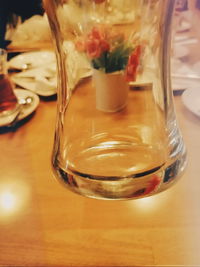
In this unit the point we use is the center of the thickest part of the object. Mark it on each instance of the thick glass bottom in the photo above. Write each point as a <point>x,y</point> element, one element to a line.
<point>110,174</point>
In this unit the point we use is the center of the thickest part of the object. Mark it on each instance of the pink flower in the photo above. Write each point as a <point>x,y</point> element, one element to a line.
<point>131,72</point>
<point>104,46</point>
<point>134,60</point>
<point>96,43</point>
<point>153,184</point>
<point>93,48</point>
<point>97,33</point>
<point>80,45</point>
<point>133,63</point>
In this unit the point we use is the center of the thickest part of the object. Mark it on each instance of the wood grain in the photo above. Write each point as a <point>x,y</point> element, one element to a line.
<point>44,224</point>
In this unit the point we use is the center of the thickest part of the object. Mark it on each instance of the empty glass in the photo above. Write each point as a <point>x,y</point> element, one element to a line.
<point>116,131</point>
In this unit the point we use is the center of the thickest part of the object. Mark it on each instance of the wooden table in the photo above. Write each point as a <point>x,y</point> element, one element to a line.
<point>44,224</point>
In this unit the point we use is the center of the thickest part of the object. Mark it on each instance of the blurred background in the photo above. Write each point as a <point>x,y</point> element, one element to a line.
<point>18,20</point>
<point>24,27</point>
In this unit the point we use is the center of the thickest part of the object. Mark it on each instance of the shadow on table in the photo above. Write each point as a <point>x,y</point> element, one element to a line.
<point>48,98</point>
<point>17,125</point>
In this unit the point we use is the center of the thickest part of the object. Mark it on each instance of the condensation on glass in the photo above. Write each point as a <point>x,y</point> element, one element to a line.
<point>116,132</point>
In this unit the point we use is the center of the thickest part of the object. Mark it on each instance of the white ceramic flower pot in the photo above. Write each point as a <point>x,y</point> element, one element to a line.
<point>111,90</point>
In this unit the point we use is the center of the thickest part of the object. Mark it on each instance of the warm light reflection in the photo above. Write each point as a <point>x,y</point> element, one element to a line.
<point>13,197</point>
<point>146,203</point>
<point>153,203</point>
<point>7,201</point>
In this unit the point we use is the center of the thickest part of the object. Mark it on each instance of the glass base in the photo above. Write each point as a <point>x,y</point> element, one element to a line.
<point>128,186</point>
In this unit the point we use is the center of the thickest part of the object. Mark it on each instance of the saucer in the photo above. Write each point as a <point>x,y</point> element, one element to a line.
<point>26,110</point>
<point>180,51</point>
<point>191,100</point>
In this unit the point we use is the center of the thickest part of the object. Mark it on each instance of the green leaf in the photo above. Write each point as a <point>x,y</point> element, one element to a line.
<point>115,60</point>
<point>100,63</point>
<point>118,58</point>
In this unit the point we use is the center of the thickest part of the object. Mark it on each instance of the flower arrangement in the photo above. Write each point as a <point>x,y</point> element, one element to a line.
<point>110,52</point>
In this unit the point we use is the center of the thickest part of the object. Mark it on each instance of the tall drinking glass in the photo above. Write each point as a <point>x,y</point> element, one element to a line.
<point>116,132</point>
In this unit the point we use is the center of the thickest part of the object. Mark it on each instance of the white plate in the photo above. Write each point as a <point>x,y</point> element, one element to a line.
<point>26,110</point>
<point>180,51</point>
<point>181,82</point>
<point>31,60</point>
<point>184,23</point>
<point>184,26</point>
<point>30,84</point>
<point>191,99</point>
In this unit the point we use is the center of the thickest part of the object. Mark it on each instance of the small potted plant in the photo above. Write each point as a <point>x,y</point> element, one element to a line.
<point>114,61</point>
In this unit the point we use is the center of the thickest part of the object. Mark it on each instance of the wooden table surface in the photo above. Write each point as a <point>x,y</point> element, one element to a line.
<point>44,224</point>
